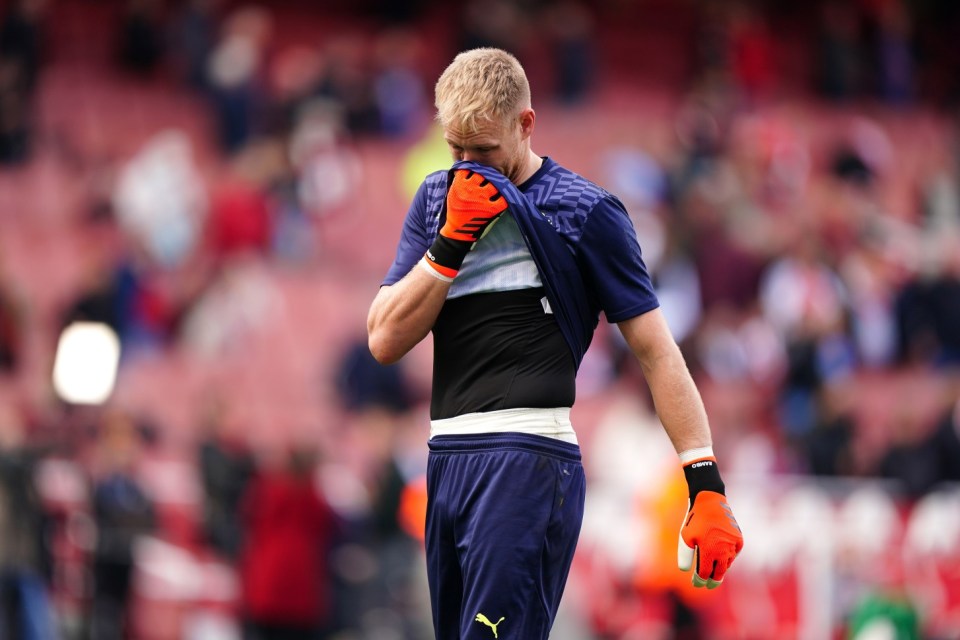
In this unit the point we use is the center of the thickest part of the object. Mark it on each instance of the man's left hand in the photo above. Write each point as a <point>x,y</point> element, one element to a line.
<point>710,539</point>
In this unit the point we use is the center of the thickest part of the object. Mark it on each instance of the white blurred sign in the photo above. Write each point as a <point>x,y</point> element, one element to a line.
<point>85,368</point>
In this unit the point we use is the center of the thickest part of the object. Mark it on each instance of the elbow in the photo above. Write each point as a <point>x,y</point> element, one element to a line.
<point>382,349</point>
<point>379,341</point>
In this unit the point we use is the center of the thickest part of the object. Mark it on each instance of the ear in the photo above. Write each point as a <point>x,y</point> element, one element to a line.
<point>528,119</point>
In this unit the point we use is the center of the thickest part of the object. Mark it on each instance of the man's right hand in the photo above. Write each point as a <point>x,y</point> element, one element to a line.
<point>473,205</point>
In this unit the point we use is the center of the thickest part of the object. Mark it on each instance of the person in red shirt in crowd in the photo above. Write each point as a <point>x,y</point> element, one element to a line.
<point>289,530</point>
<point>240,217</point>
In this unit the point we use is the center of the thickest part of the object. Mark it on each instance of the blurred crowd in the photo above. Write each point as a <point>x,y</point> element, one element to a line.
<point>804,255</point>
<point>799,211</point>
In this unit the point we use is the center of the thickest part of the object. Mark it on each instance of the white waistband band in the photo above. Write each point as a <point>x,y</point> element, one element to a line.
<point>552,423</point>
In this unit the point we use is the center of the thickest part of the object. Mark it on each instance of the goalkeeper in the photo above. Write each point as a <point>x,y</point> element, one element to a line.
<point>508,259</point>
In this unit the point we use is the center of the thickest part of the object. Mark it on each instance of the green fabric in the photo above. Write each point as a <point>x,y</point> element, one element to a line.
<point>892,610</point>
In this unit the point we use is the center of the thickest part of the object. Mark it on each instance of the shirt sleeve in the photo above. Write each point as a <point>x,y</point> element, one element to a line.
<point>612,264</point>
<point>414,238</point>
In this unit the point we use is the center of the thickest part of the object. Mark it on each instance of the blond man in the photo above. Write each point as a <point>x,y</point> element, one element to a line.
<point>508,259</point>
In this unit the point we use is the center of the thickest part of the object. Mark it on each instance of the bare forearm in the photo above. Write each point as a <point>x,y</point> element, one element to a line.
<point>403,314</point>
<point>678,402</point>
<point>675,395</point>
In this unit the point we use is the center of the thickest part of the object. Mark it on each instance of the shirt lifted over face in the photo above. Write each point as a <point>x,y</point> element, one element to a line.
<point>502,146</point>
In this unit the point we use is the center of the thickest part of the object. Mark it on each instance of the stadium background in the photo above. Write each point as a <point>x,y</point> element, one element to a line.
<point>222,185</point>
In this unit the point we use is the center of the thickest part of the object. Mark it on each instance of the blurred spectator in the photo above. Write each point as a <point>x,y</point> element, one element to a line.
<point>397,13</point>
<point>945,440</point>
<point>363,384</point>
<point>289,530</point>
<point>95,300</point>
<point>940,194</point>
<point>328,168</point>
<point>240,215</point>
<point>928,312</point>
<point>829,444</point>
<point>839,63</point>
<point>678,288</point>
<point>849,166</point>
<point>226,466</point>
<point>805,301</point>
<point>26,611</point>
<point>772,162</point>
<point>729,271</point>
<point>400,89</point>
<point>293,236</point>
<point>701,130</point>
<point>904,428</point>
<point>911,458</point>
<point>122,512</point>
<point>235,69</point>
<point>710,41</point>
<point>195,33</point>
<point>571,31</point>
<point>348,82</point>
<point>160,200</point>
<point>393,590</point>
<point>800,293</point>
<point>125,296</point>
<point>20,61</point>
<point>493,23</point>
<point>753,52</point>
<point>233,91</point>
<point>16,128</point>
<point>377,399</point>
<point>885,613</point>
<point>241,299</point>
<point>638,177</point>
<point>870,284</point>
<point>721,189</point>
<point>740,346</point>
<point>141,37</point>
<point>146,312</point>
<point>872,143</point>
<point>11,330</point>
<point>21,40</point>
<point>296,75</point>
<point>894,53</point>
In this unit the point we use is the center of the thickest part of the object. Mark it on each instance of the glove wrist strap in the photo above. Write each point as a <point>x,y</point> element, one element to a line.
<point>446,255</point>
<point>702,474</point>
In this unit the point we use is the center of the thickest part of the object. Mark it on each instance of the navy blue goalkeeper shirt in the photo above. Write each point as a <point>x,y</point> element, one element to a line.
<point>579,235</point>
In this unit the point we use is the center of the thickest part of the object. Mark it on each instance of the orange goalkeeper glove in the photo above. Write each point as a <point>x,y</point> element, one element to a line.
<point>473,205</point>
<point>710,537</point>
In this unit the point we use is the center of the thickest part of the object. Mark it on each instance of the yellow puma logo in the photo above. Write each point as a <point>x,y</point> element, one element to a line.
<point>482,618</point>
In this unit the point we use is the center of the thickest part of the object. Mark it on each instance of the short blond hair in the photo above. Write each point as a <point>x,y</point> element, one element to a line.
<point>481,84</point>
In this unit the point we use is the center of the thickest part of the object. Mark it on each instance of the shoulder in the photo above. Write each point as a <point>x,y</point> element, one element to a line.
<point>561,187</point>
<point>566,197</point>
